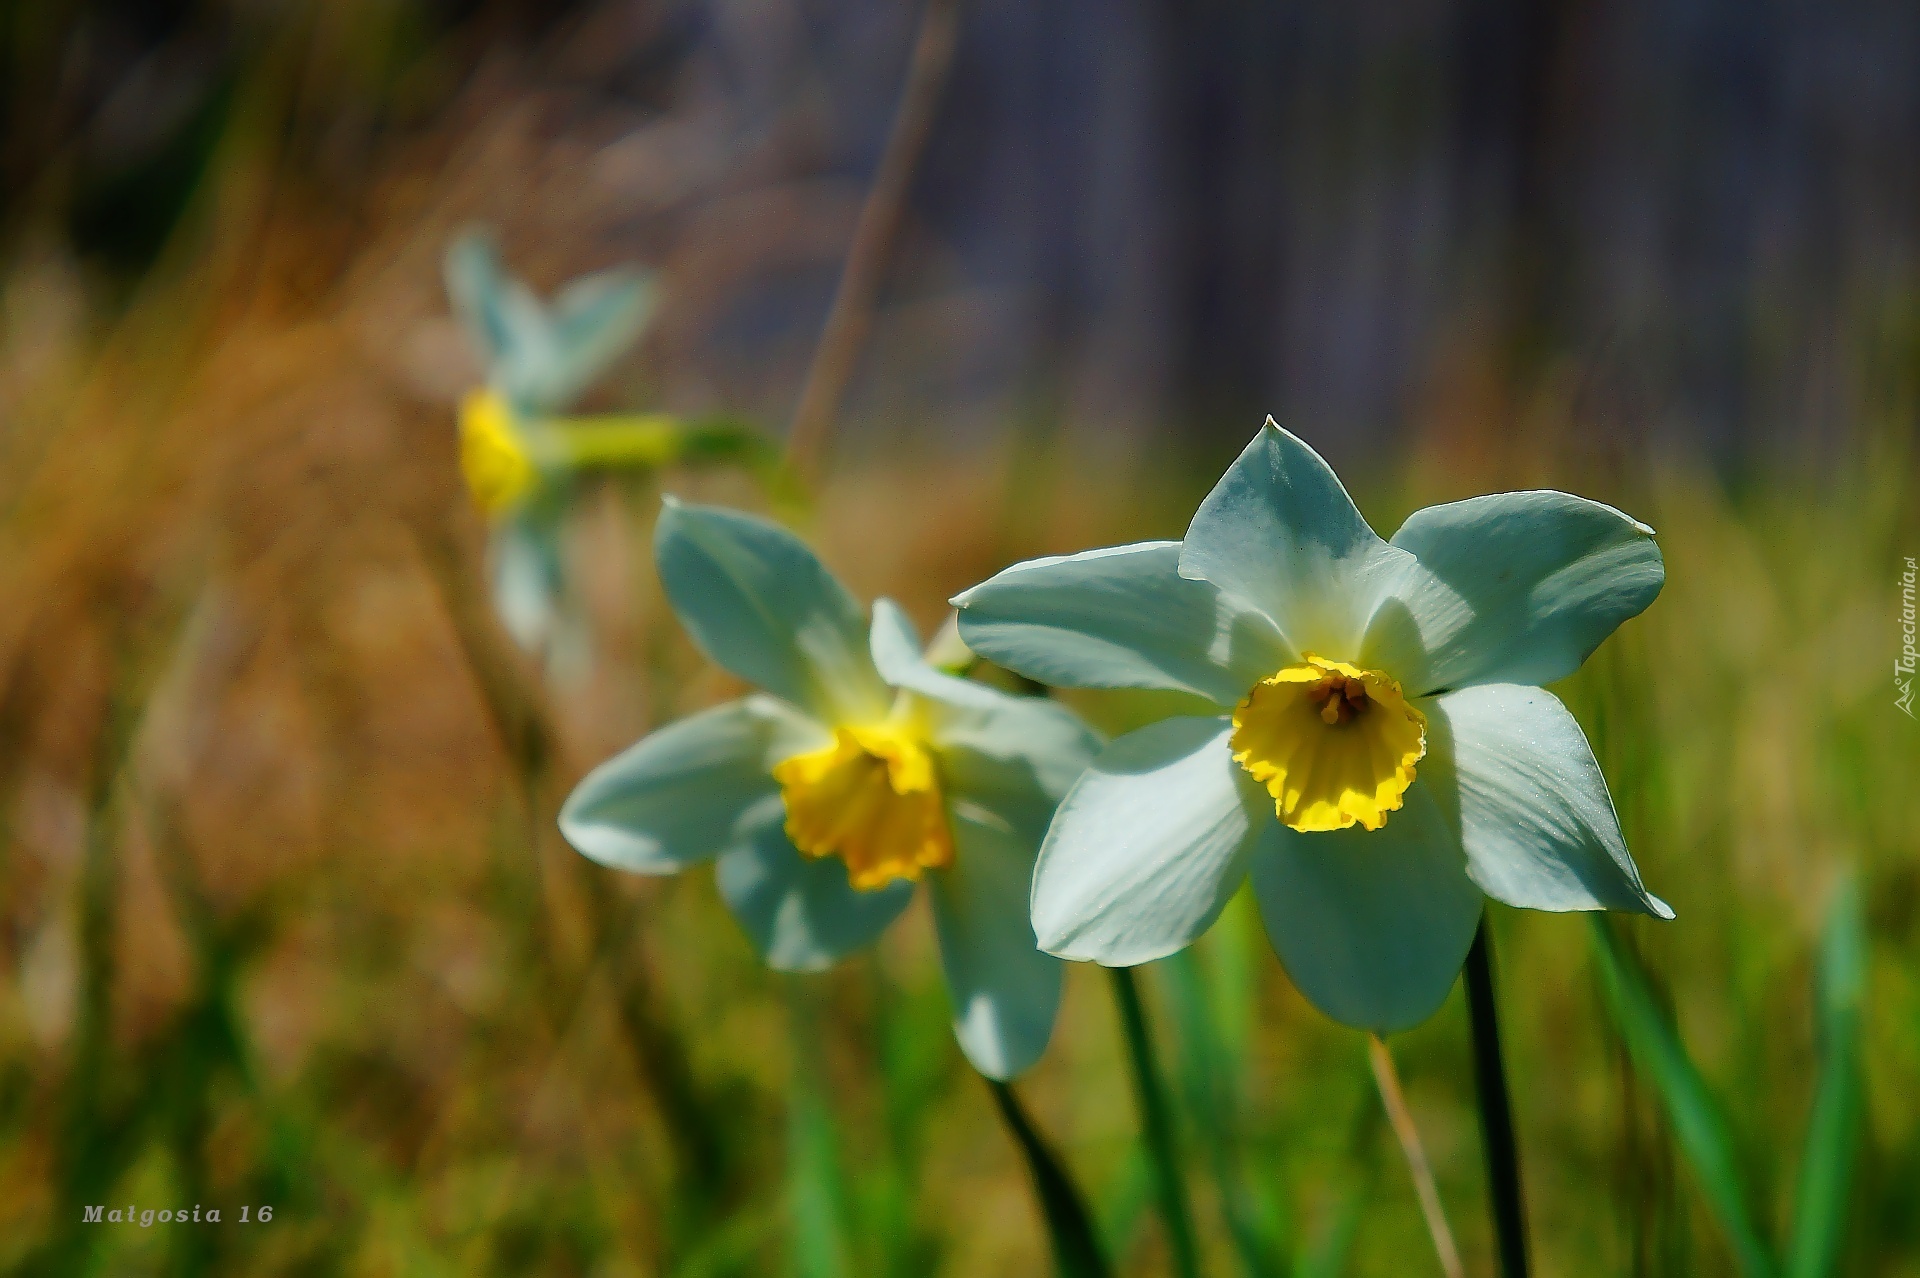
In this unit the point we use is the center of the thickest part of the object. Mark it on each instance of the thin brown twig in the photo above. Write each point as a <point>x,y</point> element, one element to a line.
<point>851,314</point>
<point>1388,1080</point>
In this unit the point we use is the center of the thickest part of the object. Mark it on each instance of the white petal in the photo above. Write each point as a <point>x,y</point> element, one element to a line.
<point>1005,990</point>
<point>595,320</point>
<point>529,580</point>
<point>799,911</point>
<point>1148,845</point>
<point>1372,925</point>
<point>1511,768</point>
<point>895,645</point>
<point>1279,532</point>
<point>1018,761</point>
<point>1512,588</point>
<point>681,794</point>
<point>758,602</point>
<point>1122,617</point>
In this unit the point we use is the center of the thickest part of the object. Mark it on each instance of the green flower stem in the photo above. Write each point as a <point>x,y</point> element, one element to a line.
<point>1076,1250</point>
<point>641,442</point>
<point>1496,1110</point>
<point>618,440</point>
<point>1156,1120</point>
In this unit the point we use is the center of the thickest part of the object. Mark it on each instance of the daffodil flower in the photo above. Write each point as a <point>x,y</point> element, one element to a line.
<point>539,359</point>
<point>858,772</point>
<point>1380,754</point>
<point>519,453</point>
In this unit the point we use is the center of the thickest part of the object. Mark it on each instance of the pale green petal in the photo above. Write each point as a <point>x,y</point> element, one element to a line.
<point>683,794</point>
<point>1013,755</point>
<point>1005,990</point>
<point>595,320</point>
<point>896,655</point>
<point>758,602</point>
<point>529,579</point>
<point>1122,617</point>
<point>1513,773</point>
<point>1512,588</point>
<point>1148,845</point>
<point>476,284</point>
<point>543,358</point>
<point>1372,925</point>
<point>1017,759</point>
<point>1279,532</point>
<point>799,911</point>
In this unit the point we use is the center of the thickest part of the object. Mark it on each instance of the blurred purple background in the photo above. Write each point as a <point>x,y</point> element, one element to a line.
<point>1693,222</point>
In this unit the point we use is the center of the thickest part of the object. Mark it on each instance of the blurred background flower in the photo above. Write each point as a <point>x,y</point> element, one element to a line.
<point>282,915</point>
<point>515,459</point>
<point>858,773</point>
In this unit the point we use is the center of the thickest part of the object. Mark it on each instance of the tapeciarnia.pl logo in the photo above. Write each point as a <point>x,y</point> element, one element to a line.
<point>1904,663</point>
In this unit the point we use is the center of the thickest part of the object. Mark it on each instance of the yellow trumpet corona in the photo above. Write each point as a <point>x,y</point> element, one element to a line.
<point>1334,745</point>
<point>871,798</point>
<point>493,456</point>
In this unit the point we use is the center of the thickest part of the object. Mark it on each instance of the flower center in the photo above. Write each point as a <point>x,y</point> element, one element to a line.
<point>492,456</point>
<point>1333,744</point>
<point>872,798</point>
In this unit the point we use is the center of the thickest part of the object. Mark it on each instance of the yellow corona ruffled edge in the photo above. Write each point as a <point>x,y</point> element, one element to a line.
<point>872,798</point>
<point>1329,776</point>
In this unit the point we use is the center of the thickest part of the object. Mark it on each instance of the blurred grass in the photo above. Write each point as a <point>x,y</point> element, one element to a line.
<point>283,918</point>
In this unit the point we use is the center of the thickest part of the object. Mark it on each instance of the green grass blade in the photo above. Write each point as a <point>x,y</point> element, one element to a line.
<point>730,1247</point>
<point>915,1057</point>
<point>1698,1124</point>
<point>1833,1129</point>
<point>1208,1078</point>
<point>1327,1256</point>
<point>816,1187</point>
<point>1325,1253</point>
<point>1121,1206</point>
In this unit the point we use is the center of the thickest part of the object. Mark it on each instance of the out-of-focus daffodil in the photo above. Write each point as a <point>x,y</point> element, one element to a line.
<point>519,454</point>
<point>858,772</point>
<point>515,452</point>
<point>1381,754</point>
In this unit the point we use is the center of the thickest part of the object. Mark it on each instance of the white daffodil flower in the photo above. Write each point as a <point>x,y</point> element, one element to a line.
<point>858,772</point>
<point>1382,753</point>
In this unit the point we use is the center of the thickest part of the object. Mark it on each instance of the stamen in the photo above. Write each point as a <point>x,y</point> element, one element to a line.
<point>1340,698</point>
